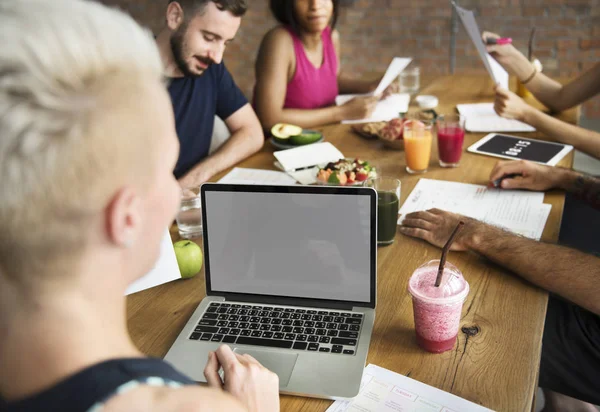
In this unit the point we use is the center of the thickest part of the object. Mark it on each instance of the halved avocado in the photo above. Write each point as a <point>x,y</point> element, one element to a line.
<point>285,131</point>
<point>307,137</point>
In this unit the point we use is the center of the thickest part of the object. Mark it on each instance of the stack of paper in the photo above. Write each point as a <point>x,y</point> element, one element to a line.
<point>240,175</point>
<point>384,390</point>
<point>388,108</point>
<point>481,117</point>
<point>520,212</point>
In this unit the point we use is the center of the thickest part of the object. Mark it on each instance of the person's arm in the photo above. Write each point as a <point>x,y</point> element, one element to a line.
<point>274,69</point>
<point>511,106</point>
<point>165,399</point>
<point>566,272</point>
<point>246,139</point>
<point>247,386</point>
<point>533,176</point>
<point>549,92</point>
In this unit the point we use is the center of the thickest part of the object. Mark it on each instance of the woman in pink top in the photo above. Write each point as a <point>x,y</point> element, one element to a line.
<point>298,69</point>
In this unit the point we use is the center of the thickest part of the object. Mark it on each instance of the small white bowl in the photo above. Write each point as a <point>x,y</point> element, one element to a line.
<point>427,102</point>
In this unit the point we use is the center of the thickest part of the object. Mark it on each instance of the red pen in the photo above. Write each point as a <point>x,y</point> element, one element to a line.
<point>500,41</point>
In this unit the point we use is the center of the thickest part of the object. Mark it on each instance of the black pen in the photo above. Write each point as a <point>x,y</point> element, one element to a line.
<point>497,182</point>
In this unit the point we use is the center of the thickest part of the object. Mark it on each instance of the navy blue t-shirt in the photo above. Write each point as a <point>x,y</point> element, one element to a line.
<point>87,390</point>
<point>196,101</point>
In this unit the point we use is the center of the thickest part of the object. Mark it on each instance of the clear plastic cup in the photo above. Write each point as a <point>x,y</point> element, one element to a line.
<point>410,80</point>
<point>437,310</point>
<point>189,218</point>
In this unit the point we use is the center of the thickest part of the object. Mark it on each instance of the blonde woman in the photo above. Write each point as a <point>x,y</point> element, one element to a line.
<point>87,150</point>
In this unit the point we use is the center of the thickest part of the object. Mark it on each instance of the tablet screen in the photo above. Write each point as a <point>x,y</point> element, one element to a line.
<point>521,148</point>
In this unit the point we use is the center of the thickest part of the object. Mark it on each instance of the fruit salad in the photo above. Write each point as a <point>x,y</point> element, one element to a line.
<point>346,172</point>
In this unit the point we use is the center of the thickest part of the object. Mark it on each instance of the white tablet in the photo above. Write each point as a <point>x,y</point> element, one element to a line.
<point>521,148</point>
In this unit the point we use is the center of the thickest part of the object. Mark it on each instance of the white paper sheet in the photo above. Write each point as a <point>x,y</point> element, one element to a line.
<point>386,109</point>
<point>496,72</point>
<point>518,211</point>
<point>481,118</point>
<point>396,67</point>
<point>385,391</point>
<point>307,156</point>
<point>500,74</point>
<point>165,270</point>
<point>240,175</point>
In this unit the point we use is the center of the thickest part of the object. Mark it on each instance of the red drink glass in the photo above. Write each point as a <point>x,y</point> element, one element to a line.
<point>451,137</point>
<point>437,310</point>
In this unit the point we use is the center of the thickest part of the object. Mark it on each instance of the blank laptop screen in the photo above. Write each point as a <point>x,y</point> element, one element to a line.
<point>289,244</point>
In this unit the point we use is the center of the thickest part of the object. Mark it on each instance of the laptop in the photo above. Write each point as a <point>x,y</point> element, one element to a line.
<point>291,279</point>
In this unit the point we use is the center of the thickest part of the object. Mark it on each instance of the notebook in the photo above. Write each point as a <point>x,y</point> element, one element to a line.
<point>481,118</point>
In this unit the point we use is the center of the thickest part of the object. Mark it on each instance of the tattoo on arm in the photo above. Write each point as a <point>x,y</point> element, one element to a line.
<point>587,188</point>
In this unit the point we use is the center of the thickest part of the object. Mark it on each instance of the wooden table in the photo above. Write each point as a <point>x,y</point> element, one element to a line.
<point>496,365</point>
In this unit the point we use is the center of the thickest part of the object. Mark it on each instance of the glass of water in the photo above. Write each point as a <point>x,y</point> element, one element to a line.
<point>189,218</point>
<point>410,80</point>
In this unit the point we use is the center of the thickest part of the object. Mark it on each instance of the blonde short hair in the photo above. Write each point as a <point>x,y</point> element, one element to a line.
<point>72,73</point>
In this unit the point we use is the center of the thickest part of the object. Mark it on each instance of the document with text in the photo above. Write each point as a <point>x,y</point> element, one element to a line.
<point>518,211</point>
<point>382,390</point>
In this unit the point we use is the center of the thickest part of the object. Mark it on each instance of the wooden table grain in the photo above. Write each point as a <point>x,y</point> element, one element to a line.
<point>496,365</point>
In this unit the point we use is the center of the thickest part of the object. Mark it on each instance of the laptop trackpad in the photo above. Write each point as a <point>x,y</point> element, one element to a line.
<point>280,363</point>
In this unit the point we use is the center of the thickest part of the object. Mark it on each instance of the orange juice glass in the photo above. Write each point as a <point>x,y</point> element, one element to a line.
<point>418,136</point>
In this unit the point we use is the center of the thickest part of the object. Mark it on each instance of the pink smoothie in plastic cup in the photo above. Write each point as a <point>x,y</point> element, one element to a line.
<point>437,309</point>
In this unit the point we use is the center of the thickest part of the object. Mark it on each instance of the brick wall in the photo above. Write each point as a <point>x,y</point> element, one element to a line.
<point>373,31</point>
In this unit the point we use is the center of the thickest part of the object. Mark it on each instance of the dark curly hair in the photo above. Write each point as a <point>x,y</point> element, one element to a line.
<point>283,11</point>
<point>190,7</point>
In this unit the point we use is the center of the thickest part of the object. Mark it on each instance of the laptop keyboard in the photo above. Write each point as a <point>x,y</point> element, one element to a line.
<point>280,327</point>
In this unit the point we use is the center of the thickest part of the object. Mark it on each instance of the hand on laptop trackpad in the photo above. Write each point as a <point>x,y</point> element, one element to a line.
<point>280,363</point>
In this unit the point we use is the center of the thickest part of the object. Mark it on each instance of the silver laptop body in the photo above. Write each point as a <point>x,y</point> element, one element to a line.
<point>291,280</point>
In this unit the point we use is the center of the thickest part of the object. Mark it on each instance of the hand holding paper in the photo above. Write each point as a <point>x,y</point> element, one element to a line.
<point>496,72</point>
<point>382,110</point>
<point>358,106</point>
<point>396,67</point>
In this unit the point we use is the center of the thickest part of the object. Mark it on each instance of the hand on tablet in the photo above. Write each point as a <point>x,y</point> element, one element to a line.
<point>526,175</point>
<point>509,105</point>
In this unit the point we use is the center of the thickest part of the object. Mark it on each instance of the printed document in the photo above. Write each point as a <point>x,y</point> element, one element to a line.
<point>382,390</point>
<point>518,211</point>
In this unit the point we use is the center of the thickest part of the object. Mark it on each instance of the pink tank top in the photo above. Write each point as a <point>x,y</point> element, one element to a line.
<point>312,88</point>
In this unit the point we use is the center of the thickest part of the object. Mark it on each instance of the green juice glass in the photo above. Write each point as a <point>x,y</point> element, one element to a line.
<point>388,202</point>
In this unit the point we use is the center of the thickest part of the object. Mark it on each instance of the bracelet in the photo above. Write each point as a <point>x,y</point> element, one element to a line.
<point>535,71</point>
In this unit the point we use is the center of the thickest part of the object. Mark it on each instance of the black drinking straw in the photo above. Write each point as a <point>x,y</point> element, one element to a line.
<point>445,250</point>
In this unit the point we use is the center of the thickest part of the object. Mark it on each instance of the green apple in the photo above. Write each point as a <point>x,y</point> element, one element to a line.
<point>189,258</point>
